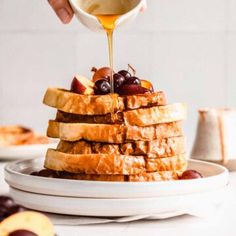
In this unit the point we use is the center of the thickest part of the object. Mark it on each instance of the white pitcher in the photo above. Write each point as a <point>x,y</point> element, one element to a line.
<point>216,137</point>
<point>86,9</point>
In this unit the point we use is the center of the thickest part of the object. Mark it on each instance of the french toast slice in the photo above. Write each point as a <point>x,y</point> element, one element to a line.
<point>165,147</point>
<point>69,102</point>
<point>15,135</point>
<point>140,117</point>
<point>108,164</point>
<point>111,118</point>
<point>155,115</point>
<point>144,177</point>
<point>111,133</point>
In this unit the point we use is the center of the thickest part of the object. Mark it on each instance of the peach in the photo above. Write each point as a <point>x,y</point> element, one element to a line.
<point>28,220</point>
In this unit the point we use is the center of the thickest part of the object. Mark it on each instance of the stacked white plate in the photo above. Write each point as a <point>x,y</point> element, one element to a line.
<point>113,199</point>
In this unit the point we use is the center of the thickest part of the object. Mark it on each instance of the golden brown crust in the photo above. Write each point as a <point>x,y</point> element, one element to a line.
<point>148,133</point>
<point>155,115</point>
<point>156,176</point>
<point>140,117</point>
<point>111,133</point>
<point>94,163</point>
<point>108,164</point>
<point>144,177</point>
<point>69,102</point>
<point>165,147</point>
<point>95,132</point>
<point>145,100</point>
<point>111,118</point>
<point>165,164</point>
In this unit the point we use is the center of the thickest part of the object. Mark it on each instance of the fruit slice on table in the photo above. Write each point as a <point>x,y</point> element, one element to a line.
<point>146,84</point>
<point>34,222</point>
<point>82,85</point>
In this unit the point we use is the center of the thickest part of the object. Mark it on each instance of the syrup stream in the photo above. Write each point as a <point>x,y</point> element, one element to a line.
<point>108,23</point>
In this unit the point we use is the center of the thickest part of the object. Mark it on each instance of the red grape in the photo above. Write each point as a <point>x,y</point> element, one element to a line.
<point>191,174</point>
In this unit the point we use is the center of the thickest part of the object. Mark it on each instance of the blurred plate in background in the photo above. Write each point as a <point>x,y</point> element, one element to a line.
<point>25,151</point>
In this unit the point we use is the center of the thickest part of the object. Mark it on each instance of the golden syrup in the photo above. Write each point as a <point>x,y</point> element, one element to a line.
<point>108,22</point>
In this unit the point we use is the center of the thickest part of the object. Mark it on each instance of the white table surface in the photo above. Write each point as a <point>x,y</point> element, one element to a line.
<point>224,223</point>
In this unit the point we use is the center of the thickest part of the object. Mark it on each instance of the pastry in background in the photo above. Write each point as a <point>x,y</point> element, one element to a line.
<point>19,135</point>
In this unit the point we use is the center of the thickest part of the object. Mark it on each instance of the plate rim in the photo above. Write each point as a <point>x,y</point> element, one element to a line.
<point>225,171</point>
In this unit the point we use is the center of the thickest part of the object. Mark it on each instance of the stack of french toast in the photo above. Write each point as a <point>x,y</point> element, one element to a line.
<point>129,135</point>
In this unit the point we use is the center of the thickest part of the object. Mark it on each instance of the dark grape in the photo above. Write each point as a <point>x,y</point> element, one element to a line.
<point>132,89</point>
<point>124,73</point>
<point>118,80</point>
<point>133,80</point>
<point>102,87</point>
<point>15,209</point>
<point>22,232</point>
<point>191,174</point>
<point>6,202</point>
<point>3,212</point>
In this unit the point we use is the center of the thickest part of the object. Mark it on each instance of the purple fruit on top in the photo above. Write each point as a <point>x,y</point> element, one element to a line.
<point>133,80</point>
<point>124,73</point>
<point>118,80</point>
<point>102,87</point>
<point>132,89</point>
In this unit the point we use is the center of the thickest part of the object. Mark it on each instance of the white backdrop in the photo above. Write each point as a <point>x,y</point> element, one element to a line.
<point>186,48</point>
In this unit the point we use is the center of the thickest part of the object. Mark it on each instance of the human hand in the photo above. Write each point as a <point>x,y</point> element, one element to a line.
<point>63,10</point>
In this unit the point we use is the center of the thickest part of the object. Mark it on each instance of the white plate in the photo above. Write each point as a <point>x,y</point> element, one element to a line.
<point>25,151</point>
<point>160,207</point>
<point>17,176</point>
